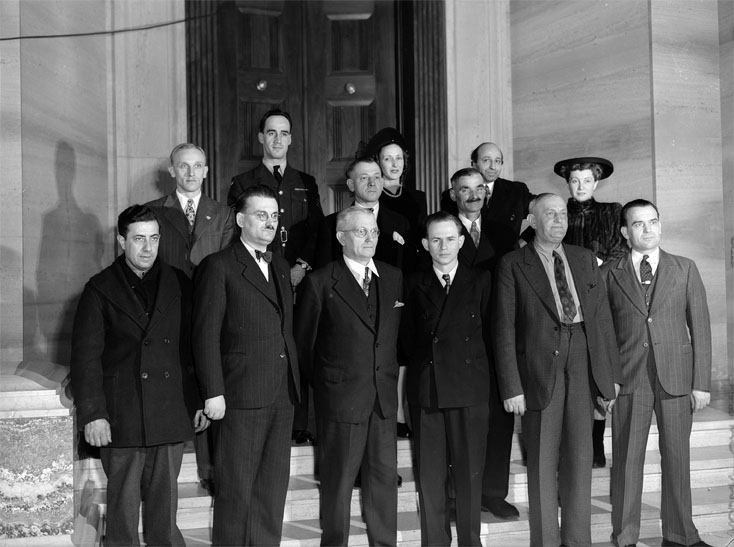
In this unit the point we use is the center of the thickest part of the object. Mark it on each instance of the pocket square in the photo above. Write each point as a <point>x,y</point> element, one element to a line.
<point>398,304</point>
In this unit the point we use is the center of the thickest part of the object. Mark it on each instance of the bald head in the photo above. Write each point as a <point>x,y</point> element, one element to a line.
<point>549,219</point>
<point>487,158</point>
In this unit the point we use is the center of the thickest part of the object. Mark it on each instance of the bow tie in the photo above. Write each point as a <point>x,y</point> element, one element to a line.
<point>267,256</point>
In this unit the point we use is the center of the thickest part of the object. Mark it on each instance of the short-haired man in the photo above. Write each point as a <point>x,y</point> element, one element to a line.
<point>247,366</point>
<point>300,213</point>
<point>347,324</point>
<point>445,339</point>
<point>131,383</point>
<point>364,180</point>
<point>192,227</point>
<point>661,321</point>
<point>554,356</point>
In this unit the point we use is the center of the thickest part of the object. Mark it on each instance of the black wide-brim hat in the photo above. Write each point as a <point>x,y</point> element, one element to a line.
<point>385,136</point>
<point>606,166</point>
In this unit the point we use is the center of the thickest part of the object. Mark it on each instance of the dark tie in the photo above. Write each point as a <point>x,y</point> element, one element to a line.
<point>190,213</point>
<point>366,281</point>
<point>447,279</point>
<point>267,256</point>
<point>645,271</point>
<point>277,174</point>
<point>474,233</point>
<point>564,293</point>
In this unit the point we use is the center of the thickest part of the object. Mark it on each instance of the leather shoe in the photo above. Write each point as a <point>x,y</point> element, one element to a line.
<point>400,481</point>
<point>208,485</point>
<point>667,542</point>
<point>302,436</point>
<point>500,508</point>
<point>404,431</point>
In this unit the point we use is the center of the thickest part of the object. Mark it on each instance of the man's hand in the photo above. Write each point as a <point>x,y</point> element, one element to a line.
<point>214,408</point>
<point>201,422</point>
<point>98,432</point>
<point>700,399</point>
<point>516,405</point>
<point>298,272</point>
<point>606,404</point>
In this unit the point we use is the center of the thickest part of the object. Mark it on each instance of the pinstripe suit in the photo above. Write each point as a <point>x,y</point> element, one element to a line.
<point>244,350</point>
<point>665,353</point>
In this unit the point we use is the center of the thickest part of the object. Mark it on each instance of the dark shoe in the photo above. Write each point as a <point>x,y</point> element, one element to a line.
<point>597,435</point>
<point>400,481</point>
<point>667,542</point>
<point>208,485</point>
<point>302,436</point>
<point>404,431</point>
<point>500,508</point>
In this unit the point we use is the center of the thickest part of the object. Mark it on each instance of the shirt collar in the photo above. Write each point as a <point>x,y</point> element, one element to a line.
<point>653,257</point>
<point>183,200</point>
<point>375,208</point>
<point>440,274</point>
<point>467,223</point>
<point>357,268</point>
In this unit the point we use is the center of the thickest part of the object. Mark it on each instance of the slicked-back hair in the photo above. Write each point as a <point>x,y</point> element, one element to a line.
<point>343,216</point>
<point>185,146</point>
<point>441,216</point>
<point>275,112</point>
<point>135,213</point>
<point>631,205</point>
<point>595,168</point>
<point>256,190</point>
<point>361,159</point>
<point>538,199</point>
<point>465,172</point>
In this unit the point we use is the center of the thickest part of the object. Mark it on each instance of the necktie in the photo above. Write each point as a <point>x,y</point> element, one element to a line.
<point>645,271</point>
<point>190,213</point>
<point>564,293</point>
<point>447,279</point>
<point>474,233</point>
<point>366,281</point>
<point>277,174</point>
<point>267,256</point>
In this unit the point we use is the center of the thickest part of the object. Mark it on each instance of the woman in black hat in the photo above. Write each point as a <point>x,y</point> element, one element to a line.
<point>593,225</point>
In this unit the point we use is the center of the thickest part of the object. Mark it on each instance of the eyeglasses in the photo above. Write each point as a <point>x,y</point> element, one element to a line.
<point>264,215</point>
<point>362,232</point>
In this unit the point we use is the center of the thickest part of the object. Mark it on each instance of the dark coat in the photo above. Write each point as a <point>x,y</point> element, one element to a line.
<point>495,240</point>
<point>526,327</point>
<point>348,361</point>
<point>129,369</point>
<point>446,346</point>
<point>214,229</point>
<point>243,341</point>
<point>299,206</point>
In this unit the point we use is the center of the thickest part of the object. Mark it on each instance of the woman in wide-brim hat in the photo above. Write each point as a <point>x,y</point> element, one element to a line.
<point>593,225</point>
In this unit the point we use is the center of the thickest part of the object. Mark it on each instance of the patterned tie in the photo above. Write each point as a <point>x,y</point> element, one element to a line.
<point>447,279</point>
<point>267,256</point>
<point>564,293</point>
<point>474,233</point>
<point>277,174</point>
<point>366,281</point>
<point>190,214</point>
<point>645,271</point>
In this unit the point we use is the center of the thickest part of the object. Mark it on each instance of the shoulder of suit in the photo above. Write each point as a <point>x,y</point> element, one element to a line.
<point>512,184</point>
<point>385,269</point>
<point>676,259</point>
<point>218,205</point>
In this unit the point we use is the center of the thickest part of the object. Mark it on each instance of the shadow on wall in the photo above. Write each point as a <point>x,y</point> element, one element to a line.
<point>70,252</point>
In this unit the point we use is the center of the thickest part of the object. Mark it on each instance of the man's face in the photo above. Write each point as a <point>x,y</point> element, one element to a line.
<point>256,232</point>
<point>275,137</point>
<point>140,245</point>
<point>550,220</point>
<point>489,162</point>
<point>366,183</point>
<point>581,185</point>
<point>468,193</point>
<point>355,247</point>
<point>443,241</point>
<point>189,169</point>
<point>642,229</point>
<point>392,162</point>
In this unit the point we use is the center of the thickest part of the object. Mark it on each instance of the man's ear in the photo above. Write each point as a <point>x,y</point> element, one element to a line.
<point>261,138</point>
<point>172,171</point>
<point>461,241</point>
<point>625,233</point>
<point>452,194</point>
<point>532,221</point>
<point>350,185</point>
<point>340,238</point>
<point>240,219</point>
<point>121,241</point>
<point>425,243</point>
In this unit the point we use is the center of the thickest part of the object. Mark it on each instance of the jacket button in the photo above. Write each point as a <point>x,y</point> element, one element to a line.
<point>466,339</point>
<point>144,375</point>
<point>377,367</point>
<point>556,352</point>
<point>435,340</point>
<point>166,375</point>
<point>166,341</point>
<point>649,319</point>
<point>146,342</point>
<point>280,192</point>
<point>645,345</point>
<point>282,355</point>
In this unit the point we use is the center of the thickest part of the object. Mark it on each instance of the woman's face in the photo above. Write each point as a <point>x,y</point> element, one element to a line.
<point>392,162</point>
<point>581,184</point>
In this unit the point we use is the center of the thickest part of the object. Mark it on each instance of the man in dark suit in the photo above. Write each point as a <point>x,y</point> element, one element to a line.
<point>192,227</point>
<point>347,323</point>
<point>445,339</point>
<point>661,320</point>
<point>246,362</point>
<point>364,180</point>
<point>554,356</point>
<point>300,212</point>
<point>131,385</point>
<point>485,242</point>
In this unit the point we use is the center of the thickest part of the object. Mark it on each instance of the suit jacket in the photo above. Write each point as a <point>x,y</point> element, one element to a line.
<point>243,334</point>
<point>299,205</point>
<point>508,205</point>
<point>214,229</point>
<point>676,327</point>
<point>495,241</point>
<point>526,326</point>
<point>388,249</point>
<point>131,369</point>
<point>349,361</point>
<point>445,339</point>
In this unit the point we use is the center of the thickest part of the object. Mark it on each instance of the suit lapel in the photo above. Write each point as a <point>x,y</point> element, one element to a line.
<point>468,250</point>
<point>204,216</point>
<point>535,274</point>
<point>431,288</point>
<point>168,291</point>
<point>251,271</point>
<point>665,280</point>
<point>582,278</point>
<point>626,278</point>
<point>349,290</point>
<point>175,216</point>
<point>116,289</point>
